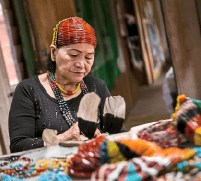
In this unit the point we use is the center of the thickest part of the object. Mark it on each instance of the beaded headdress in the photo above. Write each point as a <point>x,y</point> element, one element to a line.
<point>73,30</point>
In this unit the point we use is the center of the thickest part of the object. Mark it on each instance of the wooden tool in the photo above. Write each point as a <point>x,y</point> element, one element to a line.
<point>70,143</point>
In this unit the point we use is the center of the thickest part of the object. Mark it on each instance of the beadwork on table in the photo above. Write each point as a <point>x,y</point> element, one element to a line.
<point>25,168</point>
<point>103,159</point>
<point>145,158</point>
<point>19,170</point>
<point>100,153</point>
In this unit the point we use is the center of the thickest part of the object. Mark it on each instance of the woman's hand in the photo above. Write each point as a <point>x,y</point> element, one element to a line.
<point>97,133</point>
<point>72,134</point>
<point>75,132</point>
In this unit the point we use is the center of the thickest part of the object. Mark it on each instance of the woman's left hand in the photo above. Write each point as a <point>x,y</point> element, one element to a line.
<point>97,133</point>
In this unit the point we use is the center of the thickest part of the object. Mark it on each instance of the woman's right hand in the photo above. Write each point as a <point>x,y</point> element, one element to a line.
<point>72,134</point>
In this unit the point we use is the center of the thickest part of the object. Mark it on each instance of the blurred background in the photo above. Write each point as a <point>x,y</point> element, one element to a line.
<point>148,51</point>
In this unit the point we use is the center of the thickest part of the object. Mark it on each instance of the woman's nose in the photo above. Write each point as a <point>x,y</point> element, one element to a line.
<point>79,64</point>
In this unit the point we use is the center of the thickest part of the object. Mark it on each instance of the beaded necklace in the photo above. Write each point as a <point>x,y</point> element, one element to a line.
<point>26,168</point>
<point>68,92</point>
<point>17,170</point>
<point>62,104</point>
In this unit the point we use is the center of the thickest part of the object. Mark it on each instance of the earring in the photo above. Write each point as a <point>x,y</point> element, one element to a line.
<point>53,60</point>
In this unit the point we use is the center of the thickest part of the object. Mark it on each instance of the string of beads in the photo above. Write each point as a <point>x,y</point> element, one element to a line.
<point>62,104</point>
<point>21,170</point>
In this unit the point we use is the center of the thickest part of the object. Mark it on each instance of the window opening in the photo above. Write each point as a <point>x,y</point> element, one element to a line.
<point>7,53</point>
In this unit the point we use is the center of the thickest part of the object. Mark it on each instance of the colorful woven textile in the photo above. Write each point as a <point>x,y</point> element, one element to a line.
<point>188,118</point>
<point>101,151</point>
<point>185,123</point>
<point>163,133</point>
<point>143,168</point>
<point>188,170</point>
<point>101,159</point>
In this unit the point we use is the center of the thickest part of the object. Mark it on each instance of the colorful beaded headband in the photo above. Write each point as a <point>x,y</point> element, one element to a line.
<point>73,30</point>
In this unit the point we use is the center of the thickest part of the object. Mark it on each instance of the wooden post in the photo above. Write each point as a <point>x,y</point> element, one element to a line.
<point>145,54</point>
<point>161,26</point>
<point>183,32</point>
<point>5,89</point>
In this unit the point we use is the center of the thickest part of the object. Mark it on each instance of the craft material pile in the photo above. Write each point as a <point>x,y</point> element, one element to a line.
<point>161,152</point>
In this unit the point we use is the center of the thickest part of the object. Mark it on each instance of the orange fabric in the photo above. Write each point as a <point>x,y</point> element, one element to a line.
<point>141,147</point>
<point>146,148</point>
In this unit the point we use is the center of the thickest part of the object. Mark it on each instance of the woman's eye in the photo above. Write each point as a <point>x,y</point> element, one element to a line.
<point>88,58</point>
<point>73,55</point>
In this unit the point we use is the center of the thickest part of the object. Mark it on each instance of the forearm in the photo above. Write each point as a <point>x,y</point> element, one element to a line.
<point>18,145</point>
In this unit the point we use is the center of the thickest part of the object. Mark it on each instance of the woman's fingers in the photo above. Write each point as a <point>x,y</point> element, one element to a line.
<point>75,132</point>
<point>76,137</point>
<point>97,133</point>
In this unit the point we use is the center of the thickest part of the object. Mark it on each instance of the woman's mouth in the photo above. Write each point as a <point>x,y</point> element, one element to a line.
<point>79,73</point>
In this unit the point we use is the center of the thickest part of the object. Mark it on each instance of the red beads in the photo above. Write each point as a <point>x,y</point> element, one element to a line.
<point>73,30</point>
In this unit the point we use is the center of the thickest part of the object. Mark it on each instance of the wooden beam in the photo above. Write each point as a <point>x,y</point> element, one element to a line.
<point>145,22</point>
<point>183,32</point>
<point>161,26</point>
<point>198,5</point>
<point>2,143</point>
<point>4,106</point>
<point>145,56</point>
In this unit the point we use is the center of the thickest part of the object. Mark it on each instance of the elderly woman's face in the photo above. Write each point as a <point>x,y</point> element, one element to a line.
<point>73,62</point>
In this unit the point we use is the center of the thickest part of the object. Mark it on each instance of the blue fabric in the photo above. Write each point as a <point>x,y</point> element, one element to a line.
<point>132,175</point>
<point>104,157</point>
<point>5,177</point>
<point>198,104</point>
<point>54,177</point>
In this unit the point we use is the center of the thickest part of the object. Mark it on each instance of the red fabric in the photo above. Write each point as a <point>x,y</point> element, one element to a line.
<point>162,134</point>
<point>78,166</point>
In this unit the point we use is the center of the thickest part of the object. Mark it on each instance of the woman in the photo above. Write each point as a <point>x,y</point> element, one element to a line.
<point>51,100</point>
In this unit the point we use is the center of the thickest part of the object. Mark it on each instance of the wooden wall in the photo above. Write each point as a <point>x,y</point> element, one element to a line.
<point>43,17</point>
<point>183,31</point>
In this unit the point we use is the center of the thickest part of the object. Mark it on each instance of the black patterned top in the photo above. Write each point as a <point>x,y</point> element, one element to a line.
<point>33,109</point>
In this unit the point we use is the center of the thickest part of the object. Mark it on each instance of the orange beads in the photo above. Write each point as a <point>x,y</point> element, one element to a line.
<point>73,30</point>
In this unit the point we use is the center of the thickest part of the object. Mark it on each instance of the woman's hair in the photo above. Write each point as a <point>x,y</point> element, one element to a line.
<point>51,65</point>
